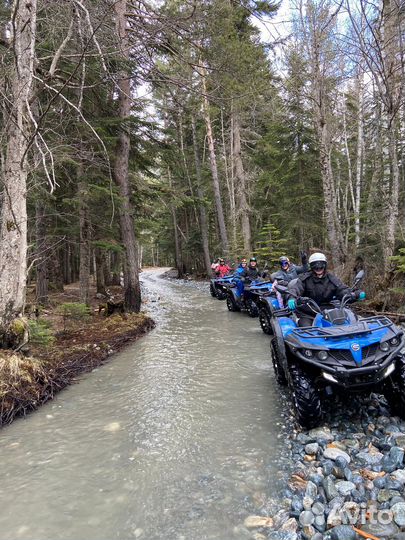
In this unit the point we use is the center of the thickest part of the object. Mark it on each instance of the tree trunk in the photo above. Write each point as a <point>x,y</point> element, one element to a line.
<point>201,207</point>
<point>359,155</point>
<point>132,293</point>
<point>214,168</point>
<point>84,225</point>
<point>41,254</point>
<point>241,182</point>
<point>100,271</point>
<point>13,229</point>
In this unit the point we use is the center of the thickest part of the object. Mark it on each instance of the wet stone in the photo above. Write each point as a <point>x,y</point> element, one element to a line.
<point>398,511</point>
<point>381,530</point>
<point>318,509</point>
<point>296,504</point>
<point>343,532</point>
<point>312,448</point>
<point>333,453</point>
<point>320,523</point>
<point>328,467</point>
<point>369,459</point>
<point>384,495</point>
<point>344,487</point>
<point>399,475</point>
<point>397,455</point>
<point>323,434</point>
<point>311,490</point>
<point>308,532</point>
<point>317,479</point>
<point>307,503</point>
<point>307,518</point>
<point>330,489</point>
<point>379,482</point>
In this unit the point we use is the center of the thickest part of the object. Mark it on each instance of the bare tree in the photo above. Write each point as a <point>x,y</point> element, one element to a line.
<point>13,229</point>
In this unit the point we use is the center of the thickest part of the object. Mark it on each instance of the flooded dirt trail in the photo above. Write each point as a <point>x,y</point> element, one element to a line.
<point>178,437</point>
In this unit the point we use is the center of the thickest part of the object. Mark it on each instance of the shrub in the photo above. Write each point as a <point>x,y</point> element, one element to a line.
<point>73,311</point>
<point>41,332</point>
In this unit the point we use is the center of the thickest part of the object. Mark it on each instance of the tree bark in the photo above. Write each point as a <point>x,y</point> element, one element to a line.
<point>214,167</point>
<point>13,229</point>
<point>84,225</point>
<point>241,182</point>
<point>201,207</point>
<point>100,271</point>
<point>132,293</point>
<point>41,254</point>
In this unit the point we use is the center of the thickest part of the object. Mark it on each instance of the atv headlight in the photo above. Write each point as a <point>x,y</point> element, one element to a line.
<point>308,353</point>
<point>322,355</point>
<point>394,341</point>
<point>329,377</point>
<point>385,346</point>
<point>389,370</point>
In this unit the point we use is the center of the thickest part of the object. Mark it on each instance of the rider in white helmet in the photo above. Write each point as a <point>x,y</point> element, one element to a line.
<point>319,285</point>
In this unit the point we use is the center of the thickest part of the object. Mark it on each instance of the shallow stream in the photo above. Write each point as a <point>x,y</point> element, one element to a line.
<point>178,437</point>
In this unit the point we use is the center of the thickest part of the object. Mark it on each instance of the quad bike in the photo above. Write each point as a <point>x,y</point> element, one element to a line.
<point>340,350</point>
<point>267,302</point>
<point>241,297</point>
<point>219,286</point>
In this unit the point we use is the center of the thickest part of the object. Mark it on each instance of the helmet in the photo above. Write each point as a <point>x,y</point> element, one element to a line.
<point>284,261</point>
<point>252,259</point>
<point>317,261</point>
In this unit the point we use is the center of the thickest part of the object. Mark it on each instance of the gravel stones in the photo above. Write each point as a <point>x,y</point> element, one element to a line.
<point>311,448</point>
<point>323,434</point>
<point>343,532</point>
<point>334,453</point>
<point>344,487</point>
<point>398,511</point>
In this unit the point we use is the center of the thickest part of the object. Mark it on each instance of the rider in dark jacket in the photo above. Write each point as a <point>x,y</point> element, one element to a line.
<point>289,271</point>
<point>319,285</point>
<point>251,272</point>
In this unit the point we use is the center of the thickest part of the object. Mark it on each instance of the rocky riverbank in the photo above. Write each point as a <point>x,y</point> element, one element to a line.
<point>347,480</point>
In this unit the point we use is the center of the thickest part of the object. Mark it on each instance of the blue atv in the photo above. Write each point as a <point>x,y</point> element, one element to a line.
<point>219,286</point>
<point>267,302</point>
<point>339,351</point>
<point>241,297</point>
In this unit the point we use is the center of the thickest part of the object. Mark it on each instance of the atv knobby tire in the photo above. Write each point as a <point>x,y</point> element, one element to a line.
<point>264,319</point>
<point>277,365</point>
<point>395,390</point>
<point>221,294</point>
<point>251,309</point>
<point>231,303</point>
<point>305,396</point>
<point>213,291</point>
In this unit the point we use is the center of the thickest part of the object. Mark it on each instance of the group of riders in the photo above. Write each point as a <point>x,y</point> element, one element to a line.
<point>310,280</point>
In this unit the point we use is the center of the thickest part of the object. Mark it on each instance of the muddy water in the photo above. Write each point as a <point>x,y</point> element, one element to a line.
<point>177,438</point>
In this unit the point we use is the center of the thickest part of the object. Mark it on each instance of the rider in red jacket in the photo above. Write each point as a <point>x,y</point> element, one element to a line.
<point>222,269</point>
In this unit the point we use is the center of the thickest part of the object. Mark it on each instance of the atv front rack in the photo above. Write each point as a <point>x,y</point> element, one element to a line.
<point>361,327</point>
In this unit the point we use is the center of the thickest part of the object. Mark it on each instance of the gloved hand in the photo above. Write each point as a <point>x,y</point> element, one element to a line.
<point>358,295</point>
<point>302,300</point>
<point>292,304</point>
<point>362,295</point>
<point>304,257</point>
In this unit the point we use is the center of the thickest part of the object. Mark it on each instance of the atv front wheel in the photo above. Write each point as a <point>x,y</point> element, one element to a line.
<point>231,303</point>
<point>251,309</point>
<point>213,291</point>
<point>264,320</point>
<point>395,390</point>
<point>221,295</point>
<point>275,357</point>
<point>306,398</point>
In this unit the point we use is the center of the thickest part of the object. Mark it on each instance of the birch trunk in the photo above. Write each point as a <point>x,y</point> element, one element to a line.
<point>132,293</point>
<point>13,229</point>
